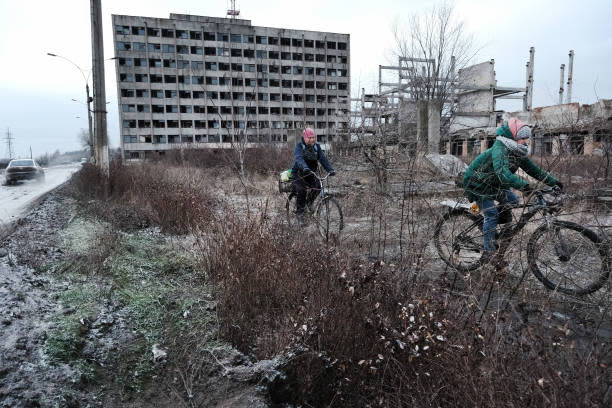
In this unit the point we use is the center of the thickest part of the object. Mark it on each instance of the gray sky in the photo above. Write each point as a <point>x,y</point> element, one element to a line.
<point>36,90</point>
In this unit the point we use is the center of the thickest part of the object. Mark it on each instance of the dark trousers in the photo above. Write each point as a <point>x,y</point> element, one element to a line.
<point>302,182</point>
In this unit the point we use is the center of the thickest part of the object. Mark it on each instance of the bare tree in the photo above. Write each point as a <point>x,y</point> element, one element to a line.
<point>430,48</point>
<point>84,141</point>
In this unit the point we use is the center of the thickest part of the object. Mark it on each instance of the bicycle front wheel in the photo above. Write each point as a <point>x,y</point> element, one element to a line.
<point>568,258</point>
<point>459,241</point>
<point>330,221</point>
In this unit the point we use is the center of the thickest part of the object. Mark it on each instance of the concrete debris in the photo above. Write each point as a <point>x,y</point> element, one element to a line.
<point>159,354</point>
<point>447,164</point>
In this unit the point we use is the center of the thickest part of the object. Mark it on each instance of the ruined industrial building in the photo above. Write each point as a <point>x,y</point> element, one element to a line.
<point>197,81</point>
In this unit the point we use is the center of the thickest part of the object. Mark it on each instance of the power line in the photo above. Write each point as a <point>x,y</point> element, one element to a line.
<point>9,143</point>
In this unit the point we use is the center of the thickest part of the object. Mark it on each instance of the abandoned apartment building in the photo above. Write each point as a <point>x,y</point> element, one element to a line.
<point>203,81</point>
<point>467,124</point>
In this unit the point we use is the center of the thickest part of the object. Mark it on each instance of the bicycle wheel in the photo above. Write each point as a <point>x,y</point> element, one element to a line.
<point>459,241</point>
<point>290,209</point>
<point>329,219</point>
<point>568,258</point>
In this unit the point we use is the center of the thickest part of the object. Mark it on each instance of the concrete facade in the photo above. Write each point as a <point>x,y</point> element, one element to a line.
<point>198,81</point>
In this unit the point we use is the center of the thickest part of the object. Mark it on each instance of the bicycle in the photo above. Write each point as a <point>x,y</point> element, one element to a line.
<point>564,256</point>
<point>324,212</point>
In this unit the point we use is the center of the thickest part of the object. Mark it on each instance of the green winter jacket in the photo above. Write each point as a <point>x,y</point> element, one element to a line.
<point>491,174</point>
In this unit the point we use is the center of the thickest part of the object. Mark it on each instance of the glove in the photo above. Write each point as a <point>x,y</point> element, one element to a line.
<point>333,173</point>
<point>527,190</point>
<point>560,185</point>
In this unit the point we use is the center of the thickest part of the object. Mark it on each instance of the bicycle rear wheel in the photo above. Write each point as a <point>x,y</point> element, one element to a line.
<point>330,221</point>
<point>290,210</point>
<point>459,241</point>
<point>568,258</point>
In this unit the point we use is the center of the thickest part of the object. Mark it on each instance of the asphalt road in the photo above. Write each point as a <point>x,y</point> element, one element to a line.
<point>15,199</point>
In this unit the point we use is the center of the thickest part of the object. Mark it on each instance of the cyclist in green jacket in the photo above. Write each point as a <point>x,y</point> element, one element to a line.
<point>491,175</point>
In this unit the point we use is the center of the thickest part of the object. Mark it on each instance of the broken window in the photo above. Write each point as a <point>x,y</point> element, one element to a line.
<point>238,96</point>
<point>169,79</point>
<point>320,44</point>
<point>296,42</point>
<point>185,94</point>
<point>123,30</point>
<point>142,93</point>
<point>197,80</point>
<point>341,46</point>
<point>331,45</point>
<point>310,98</point>
<point>297,70</point>
<point>144,123</point>
<point>249,67</point>
<point>140,62</point>
<point>198,94</point>
<point>143,108</point>
<point>126,77</point>
<point>171,109</point>
<point>286,69</point>
<point>320,112</point>
<point>213,124</point>
<point>128,108</point>
<point>142,78</point>
<point>308,71</point>
<point>182,34</point>
<point>261,39</point>
<point>224,81</point>
<point>212,81</point>
<point>196,50</point>
<point>332,98</point>
<point>197,65</point>
<point>308,57</point>
<point>286,83</point>
<point>152,32</point>
<point>156,79</point>
<point>236,38</point>
<point>195,35</point>
<point>298,98</point>
<point>273,40</point>
<point>287,98</point>
<point>199,124</point>
<point>250,82</point>
<point>331,58</point>
<point>155,62</point>
<point>170,94</point>
<point>343,59</point>
<point>320,57</point>
<point>222,37</point>
<point>225,96</point>
<point>332,85</point>
<point>298,111</point>
<point>343,86</point>
<point>310,111</point>
<point>248,53</point>
<point>320,98</point>
<point>236,52</point>
<point>273,54</point>
<point>321,125</point>
<point>251,110</point>
<point>172,124</point>
<point>224,66</point>
<point>209,36</point>
<point>308,43</point>
<point>274,69</point>
<point>261,54</point>
<point>309,85</point>
<point>123,46</point>
<point>226,124</point>
<point>286,56</point>
<point>320,84</point>
<point>275,97</point>
<point>298,84</point>
<point>168,33</point>
<point>320,71</point>
<point>129,123</point>
<point>274,82</point>
<point>182,64</point>
<point>210,51</point>
<point>170,63</point>
<point>126,62</point>
<point>237,81</point>
<point>138,30</point>
<point>186,123</point>
<point>187,138</point>
<point>182,49</point>
<point>248,39</point>
<point>139,46</point>
<point>223,52</point>
<point>211,66</point>
<point>263,97</point>
<point>157,109</point>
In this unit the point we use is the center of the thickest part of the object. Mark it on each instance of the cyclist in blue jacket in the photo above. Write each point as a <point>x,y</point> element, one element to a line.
<point>307,155</point>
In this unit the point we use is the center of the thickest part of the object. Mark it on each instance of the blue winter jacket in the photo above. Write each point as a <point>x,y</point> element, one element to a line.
<point>303,164</point>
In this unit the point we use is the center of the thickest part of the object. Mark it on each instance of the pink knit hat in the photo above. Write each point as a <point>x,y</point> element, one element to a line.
<point>308,132</point>
<point>515,125</point>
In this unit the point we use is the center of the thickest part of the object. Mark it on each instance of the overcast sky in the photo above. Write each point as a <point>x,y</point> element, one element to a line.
<point>36,90</point>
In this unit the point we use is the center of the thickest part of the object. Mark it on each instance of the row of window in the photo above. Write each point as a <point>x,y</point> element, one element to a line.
<point>212,138</point>
<point>223,66</point>
<point>225,37</point>
<point>227,124</point>
<point>237,96</point>
<point>248,82</point>
<point>226,52</point>
<point>228,110</point>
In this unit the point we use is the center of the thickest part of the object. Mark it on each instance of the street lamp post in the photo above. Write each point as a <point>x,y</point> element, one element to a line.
<point>89,100</point>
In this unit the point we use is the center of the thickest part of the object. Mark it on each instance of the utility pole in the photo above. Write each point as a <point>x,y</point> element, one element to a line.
<point>9,143</point>
<point>99,99</point>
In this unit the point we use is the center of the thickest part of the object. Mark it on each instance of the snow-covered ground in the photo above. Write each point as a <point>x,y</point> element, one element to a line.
<point>16,198</point>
